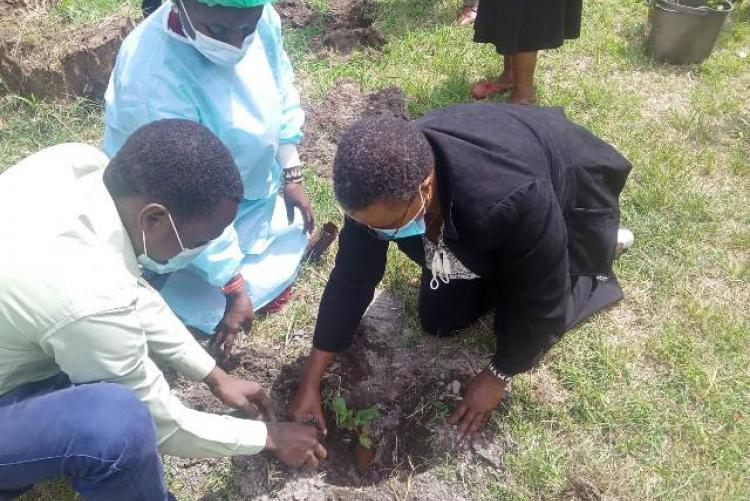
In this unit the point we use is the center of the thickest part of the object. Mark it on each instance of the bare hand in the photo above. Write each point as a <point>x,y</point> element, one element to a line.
<point>238,316</point>
<point>247,396</point>
<point>482,397</point>
<point>295,444</point>
<point>306,407</point>
<point>295,196</point>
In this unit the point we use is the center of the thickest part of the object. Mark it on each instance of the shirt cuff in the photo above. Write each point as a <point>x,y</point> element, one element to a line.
<point>287,156</point>
<point>196,362</point>
<point>254,435</point>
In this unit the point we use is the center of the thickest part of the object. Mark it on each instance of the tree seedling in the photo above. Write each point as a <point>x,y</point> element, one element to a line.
<point>357,421</point>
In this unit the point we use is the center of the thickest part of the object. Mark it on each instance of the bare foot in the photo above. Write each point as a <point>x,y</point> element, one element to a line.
<point>490,87</point>
<point>467,16</point>
<point>522,99</point>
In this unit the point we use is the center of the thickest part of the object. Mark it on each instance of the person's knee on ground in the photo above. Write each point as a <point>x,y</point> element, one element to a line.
<point>443,322</point>
<point>117,429</point>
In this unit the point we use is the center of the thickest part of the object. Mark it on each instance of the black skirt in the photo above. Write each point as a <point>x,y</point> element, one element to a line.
<point>514,26</point>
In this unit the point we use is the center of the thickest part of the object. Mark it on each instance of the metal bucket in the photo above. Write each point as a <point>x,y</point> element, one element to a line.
<point>685,32</point>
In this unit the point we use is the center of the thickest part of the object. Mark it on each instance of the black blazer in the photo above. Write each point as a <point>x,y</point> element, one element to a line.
<point>530,202</point>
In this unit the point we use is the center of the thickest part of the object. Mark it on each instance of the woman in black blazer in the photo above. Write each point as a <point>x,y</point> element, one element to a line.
<point>508,209</point>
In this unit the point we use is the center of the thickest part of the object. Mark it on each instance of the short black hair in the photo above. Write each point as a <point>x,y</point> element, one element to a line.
<point>380,158</point>
<point>179,163</point>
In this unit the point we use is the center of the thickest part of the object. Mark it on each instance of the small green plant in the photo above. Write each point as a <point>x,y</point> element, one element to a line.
<point>357,421</point>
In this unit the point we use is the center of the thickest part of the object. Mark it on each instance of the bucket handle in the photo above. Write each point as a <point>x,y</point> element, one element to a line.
<point>703,10</point>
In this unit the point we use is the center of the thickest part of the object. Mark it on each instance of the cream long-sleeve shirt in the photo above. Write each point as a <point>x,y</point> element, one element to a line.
<point>72,299</point>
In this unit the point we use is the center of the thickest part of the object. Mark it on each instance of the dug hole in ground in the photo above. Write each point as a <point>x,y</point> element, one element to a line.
<point>412,380</point>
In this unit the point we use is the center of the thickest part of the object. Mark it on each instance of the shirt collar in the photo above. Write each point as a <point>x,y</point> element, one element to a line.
<point>100,215</point>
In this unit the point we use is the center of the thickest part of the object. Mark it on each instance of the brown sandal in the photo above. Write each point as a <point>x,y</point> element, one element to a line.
<point>467,16</point>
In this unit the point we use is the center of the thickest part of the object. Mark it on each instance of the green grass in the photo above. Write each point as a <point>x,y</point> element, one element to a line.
<point>86,11</point>
<point>654,394</point>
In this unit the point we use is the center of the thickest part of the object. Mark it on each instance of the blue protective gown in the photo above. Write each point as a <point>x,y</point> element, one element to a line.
<point>254,109</point>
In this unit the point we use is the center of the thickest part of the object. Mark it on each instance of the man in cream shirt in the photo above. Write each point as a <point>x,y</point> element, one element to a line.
<point>80,394</point>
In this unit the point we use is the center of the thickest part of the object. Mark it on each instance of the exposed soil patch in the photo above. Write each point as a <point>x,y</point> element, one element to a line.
<point>582,489</point>
<point>345,40</point>
<point>351,26</point>
<point>413,383</point>
<point>75,61</point>
<point>295,13</point>
<point>345,103</point>
<point>347,26</point>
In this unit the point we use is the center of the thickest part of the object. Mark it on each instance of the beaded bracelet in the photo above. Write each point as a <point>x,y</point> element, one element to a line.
<point>495,372</point>
<point>234,285</point>
<point>293,175</point>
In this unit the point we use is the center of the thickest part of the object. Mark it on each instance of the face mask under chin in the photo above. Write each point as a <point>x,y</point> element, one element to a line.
<point>175,263</point>
<point>414,227</point>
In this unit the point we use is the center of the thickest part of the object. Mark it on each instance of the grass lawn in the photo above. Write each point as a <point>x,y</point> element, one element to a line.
<point>652,398</point>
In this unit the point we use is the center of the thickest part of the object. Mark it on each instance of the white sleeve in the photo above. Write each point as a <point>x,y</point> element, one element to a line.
<point>113,346</point>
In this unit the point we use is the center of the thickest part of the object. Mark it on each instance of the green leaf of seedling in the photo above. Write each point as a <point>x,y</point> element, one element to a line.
<point>344,416</point>
<point>365,441</point>
<point>364,417</point>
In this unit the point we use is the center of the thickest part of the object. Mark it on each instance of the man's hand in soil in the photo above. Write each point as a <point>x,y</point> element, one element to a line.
<point>306,406</point>
<point>238,316</point>
<point>246,396</point>
<point>482,397</point>
<point>295,444</point>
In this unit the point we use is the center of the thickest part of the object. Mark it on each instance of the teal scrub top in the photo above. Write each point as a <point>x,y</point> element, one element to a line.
<point>253,107</point>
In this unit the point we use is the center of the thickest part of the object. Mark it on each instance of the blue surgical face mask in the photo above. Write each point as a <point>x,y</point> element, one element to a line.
<point>415,226</point>
<point>174,263</point>
<point>216,51</point>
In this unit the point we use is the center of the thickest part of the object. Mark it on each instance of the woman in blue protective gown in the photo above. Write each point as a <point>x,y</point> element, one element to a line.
<point>222,63</point>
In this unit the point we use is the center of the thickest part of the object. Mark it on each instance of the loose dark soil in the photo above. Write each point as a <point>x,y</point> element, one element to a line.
<point>351,26</point>
<point>295,13</point>
<point>348,26</point>
<point>75,61</point>
<point>328,118</point>
<point>413,382</point>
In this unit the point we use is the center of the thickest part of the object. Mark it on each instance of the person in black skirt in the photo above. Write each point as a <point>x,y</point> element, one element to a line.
<point>519,29</point>
<point>508,209</point>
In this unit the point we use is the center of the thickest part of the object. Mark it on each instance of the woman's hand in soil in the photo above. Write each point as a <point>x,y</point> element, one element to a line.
<point>295,196</point>
<point>482,397</point>
<point>238,316</point>
<point>247,396</point>
<point>307,407</point>
<point>295,444</point>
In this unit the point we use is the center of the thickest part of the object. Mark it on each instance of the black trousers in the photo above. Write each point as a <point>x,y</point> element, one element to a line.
<point>452,306</point>
<point>459,303</point>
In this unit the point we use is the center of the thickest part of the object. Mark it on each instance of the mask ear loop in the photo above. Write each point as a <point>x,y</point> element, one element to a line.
<point>187,17</point>
<point>176,233</point>
<point>145,249</point>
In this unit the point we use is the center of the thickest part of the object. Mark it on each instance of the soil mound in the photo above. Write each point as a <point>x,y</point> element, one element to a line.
<point>76,61</point>
<point>295,13</point>
<point>344,103</point>
<point>349,25</point>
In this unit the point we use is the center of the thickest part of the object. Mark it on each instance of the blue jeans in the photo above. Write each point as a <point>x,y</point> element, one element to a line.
<point>100,436</point>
